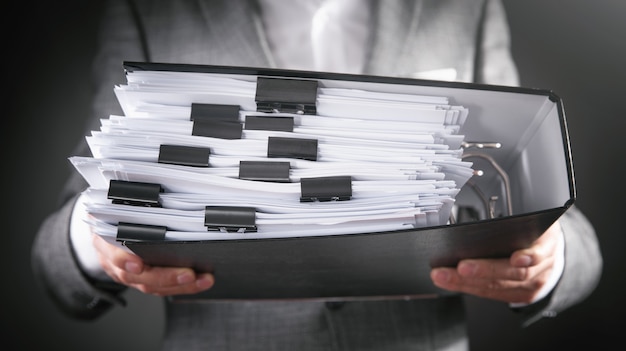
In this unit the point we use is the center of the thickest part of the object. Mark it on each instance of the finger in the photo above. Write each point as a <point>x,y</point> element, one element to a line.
<point>540,250</point>
<point>512,292</point>
<point>202,282</point>
<point>508,291</point>
<point>128,269</point>
<point>491,269</point>
<point>475,271</point>
<point>160,277</point>
<point>116,261</point>
<point>503,290</point>
<point>164,281</point>
<point>452,279</point>
<point>112,256</point>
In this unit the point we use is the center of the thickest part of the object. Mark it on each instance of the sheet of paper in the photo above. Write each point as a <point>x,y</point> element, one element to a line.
<point>402,153</point>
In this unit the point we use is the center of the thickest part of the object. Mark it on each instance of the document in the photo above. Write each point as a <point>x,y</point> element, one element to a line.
<point>400,153</point>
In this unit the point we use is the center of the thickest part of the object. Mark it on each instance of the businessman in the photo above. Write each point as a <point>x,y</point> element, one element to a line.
<point>448,40</point>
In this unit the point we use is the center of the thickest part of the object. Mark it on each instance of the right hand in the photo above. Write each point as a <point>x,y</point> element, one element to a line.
<point>127,268</point>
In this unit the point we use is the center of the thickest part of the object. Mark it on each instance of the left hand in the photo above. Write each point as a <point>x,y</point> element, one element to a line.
<point>517,279</point>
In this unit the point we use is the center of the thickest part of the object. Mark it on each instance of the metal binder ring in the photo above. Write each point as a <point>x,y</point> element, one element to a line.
<point>503,175</point>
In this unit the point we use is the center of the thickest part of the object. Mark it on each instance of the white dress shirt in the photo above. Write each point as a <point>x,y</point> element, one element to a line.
<point>320,35</point>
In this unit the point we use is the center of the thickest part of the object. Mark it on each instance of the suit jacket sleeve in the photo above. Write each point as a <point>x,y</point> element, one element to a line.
<point>583,259</point>
<point>53,260</point>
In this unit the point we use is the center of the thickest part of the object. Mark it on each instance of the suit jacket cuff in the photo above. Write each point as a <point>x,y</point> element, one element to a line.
<point>55,265</point>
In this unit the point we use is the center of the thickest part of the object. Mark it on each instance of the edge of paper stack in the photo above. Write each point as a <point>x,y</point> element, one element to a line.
<point>400,153</point>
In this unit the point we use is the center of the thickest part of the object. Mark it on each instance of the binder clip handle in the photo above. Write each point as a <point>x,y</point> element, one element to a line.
<point>230,219</point>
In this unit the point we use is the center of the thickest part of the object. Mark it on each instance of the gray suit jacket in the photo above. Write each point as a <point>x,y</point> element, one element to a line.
<point>409,37</point>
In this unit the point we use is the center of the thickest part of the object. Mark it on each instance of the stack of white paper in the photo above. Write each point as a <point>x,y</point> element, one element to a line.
<point>402,152</point>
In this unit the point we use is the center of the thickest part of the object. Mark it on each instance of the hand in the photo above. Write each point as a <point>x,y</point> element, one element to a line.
<point>128,269</point>
<point>517,279</point>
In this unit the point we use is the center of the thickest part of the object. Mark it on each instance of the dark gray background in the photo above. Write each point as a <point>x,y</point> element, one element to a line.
<point>576,48</point>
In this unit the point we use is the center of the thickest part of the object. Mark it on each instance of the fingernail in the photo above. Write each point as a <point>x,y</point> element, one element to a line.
<point>467,269</point>
<point>204,281</point>
<point>184,278</point>
<point>132,267</point>
<point>523,261</point>
<point>441,276</point>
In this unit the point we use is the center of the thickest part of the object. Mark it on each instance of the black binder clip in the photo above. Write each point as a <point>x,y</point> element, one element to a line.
<point>266,171</point>
<point>286,95</point>
<point>134,193</point>
<point>279,124</point>
<point>337,188</point>
<point>300,148</point>
<point>184,155</point>
<point>139,232</point>
<point>230,219</point>
<point>228,113</point>
<point>217,129</point>
<point>216,121</point>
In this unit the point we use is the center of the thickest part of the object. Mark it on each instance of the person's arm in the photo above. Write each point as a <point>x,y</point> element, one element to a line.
<point>54,265</point>
<point>582,269</point>
<point>54,261</point>
<point>521,280</point>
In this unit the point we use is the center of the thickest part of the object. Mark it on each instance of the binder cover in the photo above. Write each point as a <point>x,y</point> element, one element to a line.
<point>531,175</point>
